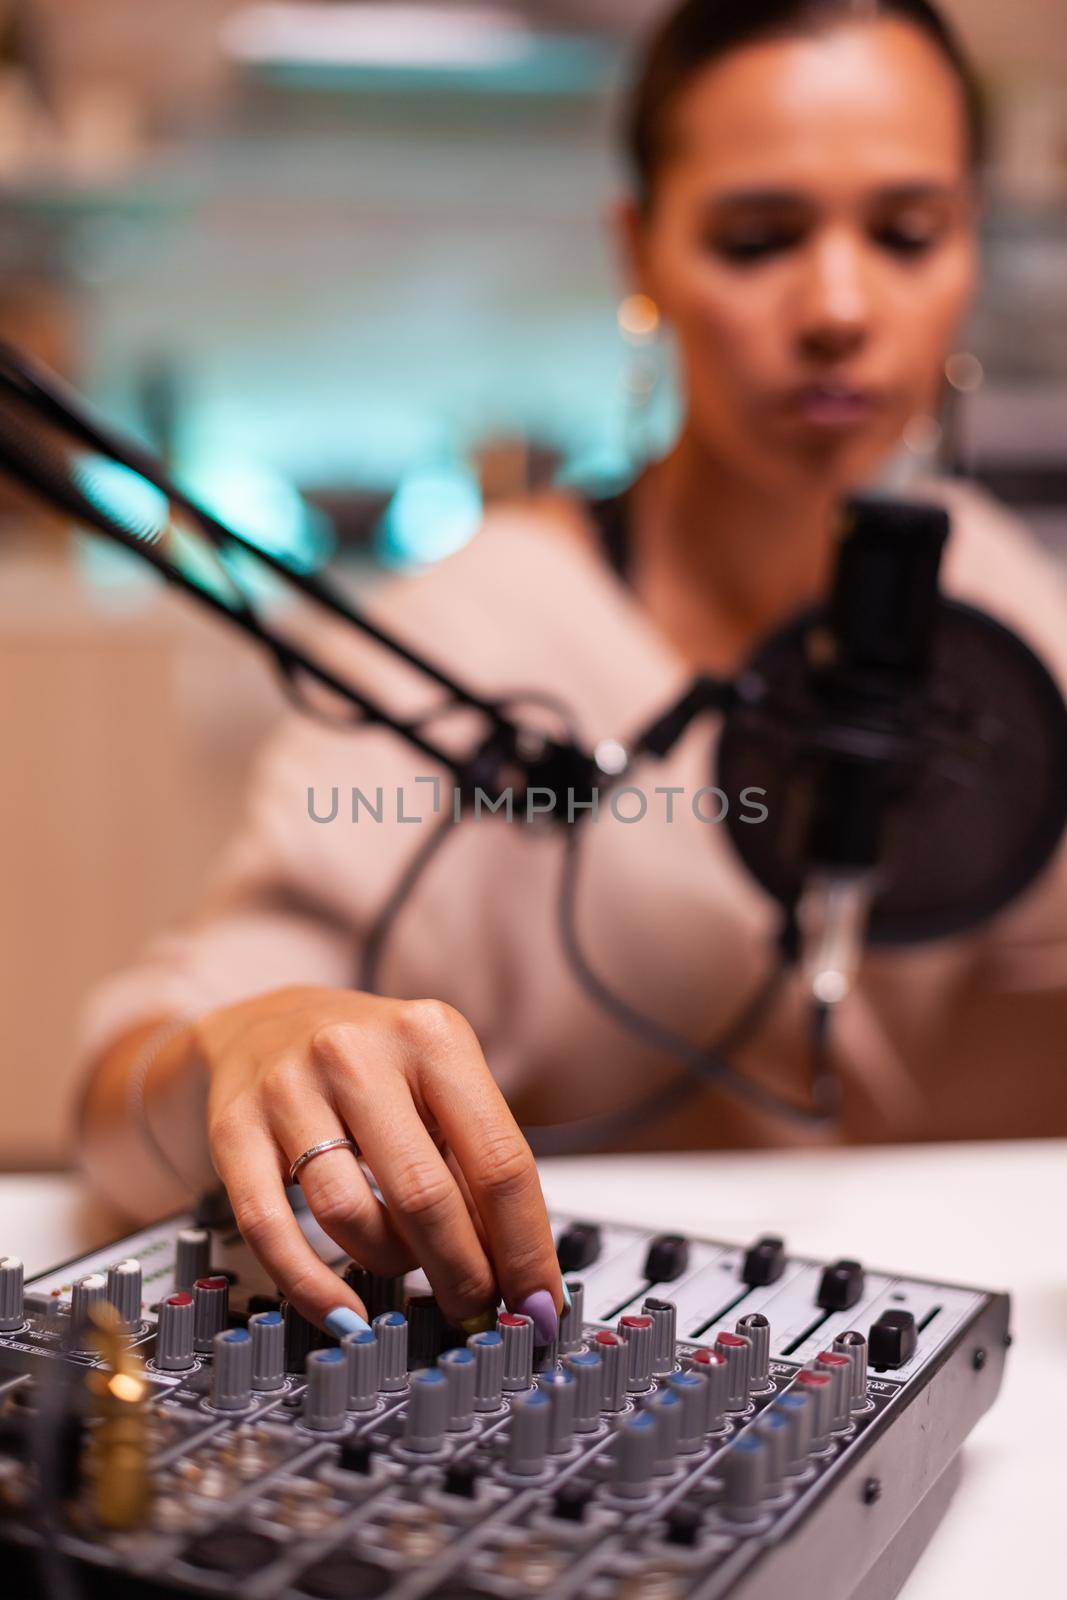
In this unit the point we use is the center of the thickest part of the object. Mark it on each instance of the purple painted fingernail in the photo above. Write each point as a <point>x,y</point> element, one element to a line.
<point>541,1310</point>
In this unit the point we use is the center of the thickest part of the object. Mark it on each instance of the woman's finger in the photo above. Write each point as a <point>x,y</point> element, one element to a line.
<point>497,1164</point>
<point>247,1161</point>
<point>334,1184</point>
<point>421,1193</point>
<point>468,1199</point>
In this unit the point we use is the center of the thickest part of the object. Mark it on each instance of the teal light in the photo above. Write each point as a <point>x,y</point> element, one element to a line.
<point>123,495</point>
<point>115,574</point>
<point>598,470</point>
<point>435,511</point>
<point>263,506</point>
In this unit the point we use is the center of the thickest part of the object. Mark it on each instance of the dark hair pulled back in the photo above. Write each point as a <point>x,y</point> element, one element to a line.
<point>698,32</point>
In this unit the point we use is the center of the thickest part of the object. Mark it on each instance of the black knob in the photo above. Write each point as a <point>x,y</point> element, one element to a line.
<point>840,1286</point>
<point>461,1478</point>
<point>378,1294</point>
<point>667,1258</point>
<point>578,1246</point>
<point>263,1302</point>
<point>233,1550</point>
<point>764,1262</point>
<point>570,1502</point>
<point>892,1340</point>
<point>427,1330</point>
<point>341,1576</point>
<point>357,1454</point>
<point>301,1337</point>
<point>683,1525</point>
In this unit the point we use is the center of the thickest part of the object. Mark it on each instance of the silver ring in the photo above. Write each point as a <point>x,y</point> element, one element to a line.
<point>318,1150</point>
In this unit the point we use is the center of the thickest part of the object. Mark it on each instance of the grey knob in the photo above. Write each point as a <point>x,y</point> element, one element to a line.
<point>392,1330</point>
<point>124,1291</point>
<point>86,1294</point>
<point>192,1257</point>
<point>743,1469</point>
<point>459,1367</point>
<point>819,1386</point>
<point>635,1455</point>
<point>231,1373</point>
<point>174,1333</point>
<point>637,1331</point>
<point>427,1411</point>
<point>12,1280</point>
<point>853,1345</point>
<point>326,1394</point>
<point>531,1414</point>
<point>570,1323</point>
<point>615,1358</point>
<point>692,1390</point>
<point>518,1336</point>
<point>666,1407</point>
<point>561,1388</point>
<point>664,1316</point>
<point>798,1409</point>
<point>736,1351</point>
<point>488,1352</point>
<point>267,1329</point>
<point>364,1360</point>
<point>757,1330</point>
<point>839,1366</point>
<point>716,1369</point>
<point>587,1370</point>
<point>774,1429</point>
<point>545,1357</point>
<point>211,1309</point>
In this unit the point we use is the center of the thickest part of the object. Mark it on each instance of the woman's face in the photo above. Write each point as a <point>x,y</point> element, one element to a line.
<point>810,241</point>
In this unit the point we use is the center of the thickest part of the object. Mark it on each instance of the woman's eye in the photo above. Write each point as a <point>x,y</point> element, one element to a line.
<point>753,246</point>
<point>907,241</point>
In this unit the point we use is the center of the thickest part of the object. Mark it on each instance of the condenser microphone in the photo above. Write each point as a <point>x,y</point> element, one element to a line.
<point>913,750</point>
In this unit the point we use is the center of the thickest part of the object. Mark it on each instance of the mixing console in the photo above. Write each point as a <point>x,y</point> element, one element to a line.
<point>713,1421</point>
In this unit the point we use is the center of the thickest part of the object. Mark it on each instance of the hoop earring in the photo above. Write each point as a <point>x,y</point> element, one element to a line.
<point>964,375</point>
<point>936,442</point>
<point>640,325</point>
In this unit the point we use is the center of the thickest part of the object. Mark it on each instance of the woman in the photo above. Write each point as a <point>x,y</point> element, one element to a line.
<point>803,218</point>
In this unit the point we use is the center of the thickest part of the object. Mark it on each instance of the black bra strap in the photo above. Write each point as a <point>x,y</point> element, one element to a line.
<point>611,517</point>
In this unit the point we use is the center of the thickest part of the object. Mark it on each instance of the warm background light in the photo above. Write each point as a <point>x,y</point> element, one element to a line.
<point>638,317</point>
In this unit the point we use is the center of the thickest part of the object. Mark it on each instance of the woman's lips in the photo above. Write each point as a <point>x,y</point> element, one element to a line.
<point>833,405</point>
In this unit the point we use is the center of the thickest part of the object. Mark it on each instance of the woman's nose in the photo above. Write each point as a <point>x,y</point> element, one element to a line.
<point>834,303</point>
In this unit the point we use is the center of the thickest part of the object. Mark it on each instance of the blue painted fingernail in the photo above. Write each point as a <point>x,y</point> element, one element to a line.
<point>541,1310</point>
<point>342,1320</point>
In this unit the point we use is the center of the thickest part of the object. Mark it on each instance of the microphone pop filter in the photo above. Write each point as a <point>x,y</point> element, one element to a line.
<point>972,767</point>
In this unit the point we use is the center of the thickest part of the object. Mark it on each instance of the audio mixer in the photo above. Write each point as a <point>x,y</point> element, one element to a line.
<point>713,1421</point>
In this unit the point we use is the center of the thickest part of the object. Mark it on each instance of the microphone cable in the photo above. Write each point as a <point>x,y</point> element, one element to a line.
<point>704,1065</point>
<point>707,1065</point>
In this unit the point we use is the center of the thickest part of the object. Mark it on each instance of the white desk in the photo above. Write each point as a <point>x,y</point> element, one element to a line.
<point>991,1215</point>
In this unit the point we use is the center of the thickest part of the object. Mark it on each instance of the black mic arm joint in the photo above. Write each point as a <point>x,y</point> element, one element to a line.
<point>529,776</point>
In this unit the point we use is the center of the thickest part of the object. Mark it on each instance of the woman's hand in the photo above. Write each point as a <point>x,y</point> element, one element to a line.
<point>407,1081</point>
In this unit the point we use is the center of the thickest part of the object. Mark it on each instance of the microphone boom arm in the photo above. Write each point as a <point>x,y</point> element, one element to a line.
<point>506,744</point>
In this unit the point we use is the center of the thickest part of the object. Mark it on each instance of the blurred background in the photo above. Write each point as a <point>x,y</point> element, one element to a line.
<point>346,264</point>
